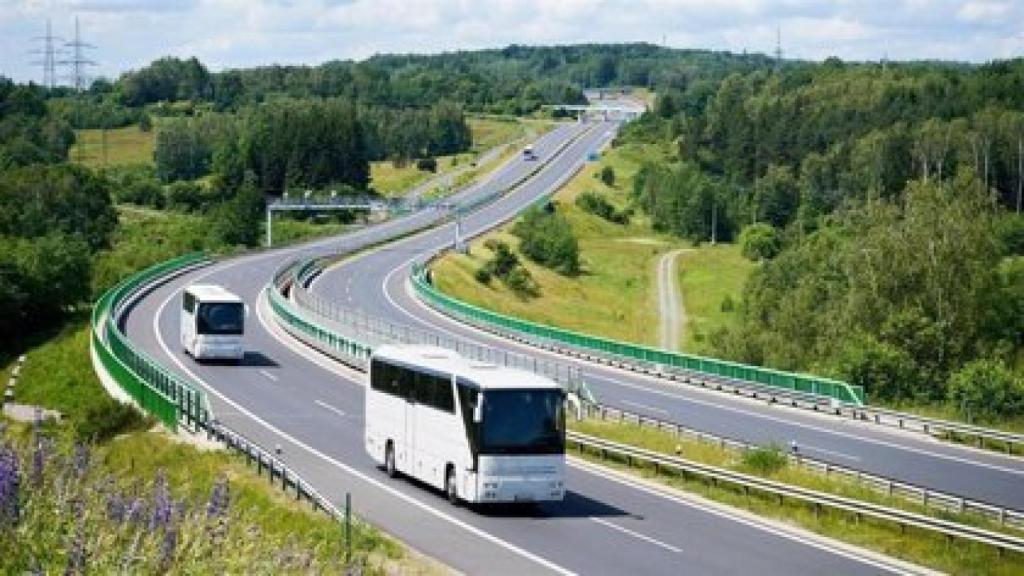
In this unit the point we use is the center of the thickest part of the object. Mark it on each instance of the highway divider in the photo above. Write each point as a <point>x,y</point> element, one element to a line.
<point>661,463</point>
<point>798,390</point>
<point>661,361</point>
<point>884,485</point>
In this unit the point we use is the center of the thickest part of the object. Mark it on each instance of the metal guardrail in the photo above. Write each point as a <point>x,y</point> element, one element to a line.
<point>507,327</point>
<point>162,393</point>
<point>349,335</point>
<point>888,486</point>
<point>653,359</point>
<point>605,448</point>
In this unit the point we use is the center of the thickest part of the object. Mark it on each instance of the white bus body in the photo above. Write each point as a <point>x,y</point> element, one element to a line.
<point>424,418</point>
<point>528,153</point>
<point>212,323</point>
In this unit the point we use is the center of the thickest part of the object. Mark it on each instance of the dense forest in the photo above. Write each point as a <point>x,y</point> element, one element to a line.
<point>884,201</point>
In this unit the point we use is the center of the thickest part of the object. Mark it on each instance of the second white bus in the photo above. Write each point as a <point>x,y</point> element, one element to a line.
<point>479,432</point>
<point>212,323</point>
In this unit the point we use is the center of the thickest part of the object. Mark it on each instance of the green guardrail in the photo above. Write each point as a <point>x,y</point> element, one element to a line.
<point>337,344</point>
<point>158,391</point>
<point>804,383</point>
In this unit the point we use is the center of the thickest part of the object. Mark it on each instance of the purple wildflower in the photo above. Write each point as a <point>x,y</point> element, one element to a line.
<point>116,508</point>
<point>76,551</point>
<point>136,511</point>
<point>10,482</point>
<point>163,508</point>
<point>167,548</point>
<point>80,459</point>
<point>220,498</point>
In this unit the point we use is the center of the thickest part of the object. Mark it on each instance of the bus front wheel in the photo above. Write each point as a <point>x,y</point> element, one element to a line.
<point>450,488</point>
<point>389,460</point>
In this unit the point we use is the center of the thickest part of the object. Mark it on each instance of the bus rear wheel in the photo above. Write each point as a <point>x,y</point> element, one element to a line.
<point>389,460</point>
<point>450,488</point>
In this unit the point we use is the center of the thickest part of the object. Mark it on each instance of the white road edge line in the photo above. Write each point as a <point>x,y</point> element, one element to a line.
<point>644,407</point>
<point>722,511</point>
<point>832,452</point>
<point>327,406</point>
<point>337,463</point>
<point>637,535</point>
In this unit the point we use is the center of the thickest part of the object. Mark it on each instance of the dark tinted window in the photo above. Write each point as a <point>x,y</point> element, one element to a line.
<point>189,303</point>
<point>523,422</point>
<point>220,318</point>
<point>429,389</point>
<point>468,397</point>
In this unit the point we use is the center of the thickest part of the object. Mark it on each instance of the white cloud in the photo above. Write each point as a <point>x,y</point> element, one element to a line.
<point>237,33</point>
<point>982,10</point>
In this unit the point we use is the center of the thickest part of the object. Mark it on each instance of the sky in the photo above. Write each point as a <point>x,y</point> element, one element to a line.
<point>128,34</point>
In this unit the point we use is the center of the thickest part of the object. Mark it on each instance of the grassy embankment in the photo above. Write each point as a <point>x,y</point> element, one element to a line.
<point>615,295</point>
<point>395,180</point>
<point>124,146</point>
<point>917,546</point>
<point>269,531</point>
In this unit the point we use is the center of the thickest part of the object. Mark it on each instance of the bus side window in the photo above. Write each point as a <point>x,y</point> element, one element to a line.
<point>189,302</point>
<point>445,397</point>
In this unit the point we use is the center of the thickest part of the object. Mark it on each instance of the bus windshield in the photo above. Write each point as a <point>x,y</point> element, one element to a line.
<point>225,318</point>
<point>523,422</point>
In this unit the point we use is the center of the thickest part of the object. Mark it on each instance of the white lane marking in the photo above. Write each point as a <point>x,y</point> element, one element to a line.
<point>344,467</point>
<point>637,535</point>
<point>268,375</point>
<point>584,467</point>
<point>327,406</point>
<point>825,544</point>
<point>657,382</point>
<point>644,407</point>
<point>832,452</point>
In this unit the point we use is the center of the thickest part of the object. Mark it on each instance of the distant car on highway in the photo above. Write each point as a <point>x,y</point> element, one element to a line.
<point>212,322</point>
<point>480,432</point>
<point>528,153</point>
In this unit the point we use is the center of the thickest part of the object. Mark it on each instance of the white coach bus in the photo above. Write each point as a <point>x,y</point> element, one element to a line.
<point>212,322</point>
<point>477,431</point>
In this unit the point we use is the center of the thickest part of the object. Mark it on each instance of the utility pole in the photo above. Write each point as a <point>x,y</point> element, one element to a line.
<point>78,61</point>
<point>48,56</point>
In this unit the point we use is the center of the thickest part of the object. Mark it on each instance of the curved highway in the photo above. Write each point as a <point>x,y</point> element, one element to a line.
<point>377,283</point>
<point>284,395</point>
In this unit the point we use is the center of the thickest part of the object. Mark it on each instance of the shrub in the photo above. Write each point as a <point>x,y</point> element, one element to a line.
<point>548,239</point>
<point>728,305</point>
<point>107,419</point>
<point>427,164</point>
<point>597,205</point>
<point>986,389</point>
<point>482,275</point>
<point>521,282</point>
<point>608,175</point>
<point>760,242</point>
<point>765,460</point>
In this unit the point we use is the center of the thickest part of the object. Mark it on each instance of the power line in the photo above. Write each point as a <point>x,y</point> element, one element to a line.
<point>48,56</point>
<point>78,61</point>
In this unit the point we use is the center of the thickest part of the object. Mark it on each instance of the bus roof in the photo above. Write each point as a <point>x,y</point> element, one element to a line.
<point>486,376</point>
<point>212,293</point>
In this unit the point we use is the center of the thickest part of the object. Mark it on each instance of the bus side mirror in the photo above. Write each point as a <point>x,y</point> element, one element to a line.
<point>478,410</point>
<point>246,310</point>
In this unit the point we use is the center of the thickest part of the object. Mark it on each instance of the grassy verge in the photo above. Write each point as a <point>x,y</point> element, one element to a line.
<point>711,280</point>
<point>913,545</point>
<point>66,512</point>
<point>614,296</point>
<point>127,145</point>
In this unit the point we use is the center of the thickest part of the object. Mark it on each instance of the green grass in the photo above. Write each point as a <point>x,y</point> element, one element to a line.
<point>614,296</point>
<point>490,132</point>
<point>288,230</point>
<point>918,546</point>
<point>707,275</point>
<point>127,145</point>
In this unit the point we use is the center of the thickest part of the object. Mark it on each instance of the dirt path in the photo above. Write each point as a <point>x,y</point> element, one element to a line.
<point>670,304</point>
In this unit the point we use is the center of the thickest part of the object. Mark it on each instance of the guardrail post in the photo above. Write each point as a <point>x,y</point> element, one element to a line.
<point>348,529</point>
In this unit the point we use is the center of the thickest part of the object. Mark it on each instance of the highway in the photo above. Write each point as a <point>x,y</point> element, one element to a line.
<point>377,283</point>
<point>286,395</point>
